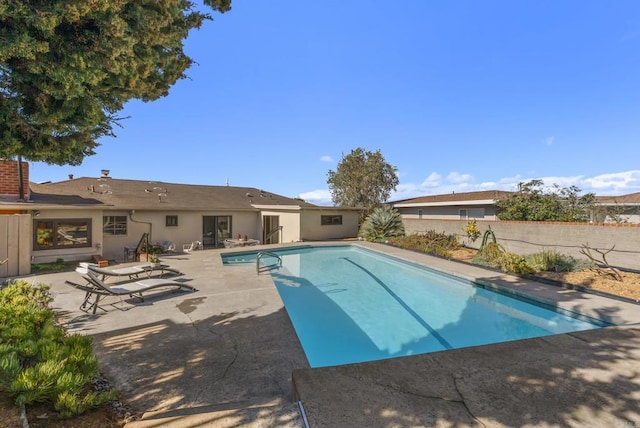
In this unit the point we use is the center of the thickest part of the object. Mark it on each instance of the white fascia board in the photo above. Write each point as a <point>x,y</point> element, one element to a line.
<point>447,203</point>
<point>617,204</point>
<point>277,207</point>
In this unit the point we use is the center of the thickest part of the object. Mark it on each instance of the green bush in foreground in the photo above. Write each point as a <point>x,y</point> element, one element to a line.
<point>39,362</point>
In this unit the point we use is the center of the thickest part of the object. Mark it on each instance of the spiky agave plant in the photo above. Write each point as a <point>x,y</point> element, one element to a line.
<point>383,223</point>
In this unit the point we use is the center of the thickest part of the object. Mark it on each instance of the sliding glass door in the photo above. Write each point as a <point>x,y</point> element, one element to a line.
<point>215,229</point>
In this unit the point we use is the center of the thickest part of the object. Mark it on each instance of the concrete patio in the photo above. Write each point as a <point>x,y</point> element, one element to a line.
<point>224,357</point>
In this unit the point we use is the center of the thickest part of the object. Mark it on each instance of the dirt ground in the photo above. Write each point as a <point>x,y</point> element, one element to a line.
<point>41,417</point>
<point>628,288</point>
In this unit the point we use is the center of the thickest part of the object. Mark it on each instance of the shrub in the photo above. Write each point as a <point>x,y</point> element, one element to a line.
<point>493,255</point>
<point>489,255</point>
<point>515,263</point>
<point>382,224</point>
<point>471,230</point>
<point>38,361</point>
<point>552,261</point>
<point>430,242</point>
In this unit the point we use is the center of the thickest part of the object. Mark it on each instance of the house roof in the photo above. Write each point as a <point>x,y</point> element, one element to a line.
<point>464,198</point>
<point>629,199</point>
<point>106,192</point>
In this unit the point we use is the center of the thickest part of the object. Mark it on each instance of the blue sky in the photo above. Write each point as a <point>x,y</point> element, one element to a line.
<point>458,95</point>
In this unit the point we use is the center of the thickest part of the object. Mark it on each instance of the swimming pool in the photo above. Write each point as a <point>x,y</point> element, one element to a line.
<point>348,304</point>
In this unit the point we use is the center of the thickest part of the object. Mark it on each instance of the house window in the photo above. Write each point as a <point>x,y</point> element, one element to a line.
<point>419,213</point>
<point>171,221</point>
<point>61,233</point>
<point>463,215</point>
<point>330,220</point>
<point>114,224</point>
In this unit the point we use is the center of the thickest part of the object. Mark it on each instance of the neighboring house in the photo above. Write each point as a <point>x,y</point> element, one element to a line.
<point>78,218</point>
<point>617,209</point>
<point>454,206</point>
<point>482,206</point>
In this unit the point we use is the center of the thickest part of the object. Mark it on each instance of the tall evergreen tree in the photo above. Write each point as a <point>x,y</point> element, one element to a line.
<point>68,67</point>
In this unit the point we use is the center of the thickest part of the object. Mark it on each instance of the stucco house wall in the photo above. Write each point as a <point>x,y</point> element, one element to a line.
<point>452,212</point>
<point>312,228</point>
<point>289,221</point>
<point>69,254</point>
<point>189,228</point>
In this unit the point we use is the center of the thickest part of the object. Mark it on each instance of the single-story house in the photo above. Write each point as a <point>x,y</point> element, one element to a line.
<point>617,209</point>
<point>481,205</point>
<point>453,206</point>
<point>78,218</point>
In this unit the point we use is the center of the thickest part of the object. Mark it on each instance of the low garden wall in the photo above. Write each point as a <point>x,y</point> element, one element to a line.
<point>525,237</point>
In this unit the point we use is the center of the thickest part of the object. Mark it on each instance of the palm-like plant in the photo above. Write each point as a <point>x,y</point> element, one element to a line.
<point>382,224</point>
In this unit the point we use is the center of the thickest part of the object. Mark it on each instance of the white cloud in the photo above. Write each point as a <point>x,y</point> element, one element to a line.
<point>327,158</point>
<point>433,180</point>
<point>458,178</point>
<point>610,184</point>
<point>318,197</point>
<point>616,183</point>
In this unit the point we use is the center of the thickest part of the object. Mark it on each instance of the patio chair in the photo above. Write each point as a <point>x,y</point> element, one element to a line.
<point>195,245</point>
<point>131,271</point>
<point>168,246</point>
<point>95,288</point>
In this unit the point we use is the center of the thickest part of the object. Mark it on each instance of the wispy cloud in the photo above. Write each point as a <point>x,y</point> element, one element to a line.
<point>549,140</point>
<point>433,180</point>
<point>327,159</point>
<point>617,182</point>
<point>458,178</point>
<point>318,197</point>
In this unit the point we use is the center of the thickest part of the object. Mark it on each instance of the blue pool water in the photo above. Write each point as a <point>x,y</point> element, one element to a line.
<point>348,305</point>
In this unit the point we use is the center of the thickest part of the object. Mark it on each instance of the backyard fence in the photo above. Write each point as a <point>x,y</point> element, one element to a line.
<point>15,245</point>
<point>527,237</point>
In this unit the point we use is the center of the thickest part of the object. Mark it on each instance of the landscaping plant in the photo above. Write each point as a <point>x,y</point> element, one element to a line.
<point>430,242</point>
<point>383,223</point>
<point>471,230</point>
<point>39,362</point>
<point>552,261</point>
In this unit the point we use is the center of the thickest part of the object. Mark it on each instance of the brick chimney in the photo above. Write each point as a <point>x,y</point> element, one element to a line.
<point>10,181</point>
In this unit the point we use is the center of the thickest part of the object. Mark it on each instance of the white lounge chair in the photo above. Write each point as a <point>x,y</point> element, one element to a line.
<point>195,245</point>
<point>95,288</point>
<point>129,271</point>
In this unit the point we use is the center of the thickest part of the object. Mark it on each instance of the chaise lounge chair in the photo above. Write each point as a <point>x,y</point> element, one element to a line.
<point>195,245</point>
<point>95,288</point>
<point>130,271</point>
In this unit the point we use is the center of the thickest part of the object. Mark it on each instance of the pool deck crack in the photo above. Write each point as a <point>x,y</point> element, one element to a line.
<point>463,402</point>
<point>232,362</point>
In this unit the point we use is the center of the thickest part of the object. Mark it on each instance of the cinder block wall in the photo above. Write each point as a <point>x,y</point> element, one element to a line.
<point>530,237</point>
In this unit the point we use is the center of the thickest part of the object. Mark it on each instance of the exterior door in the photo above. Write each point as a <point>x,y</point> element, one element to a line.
<point>271,229</point>
<point>215,229</point>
